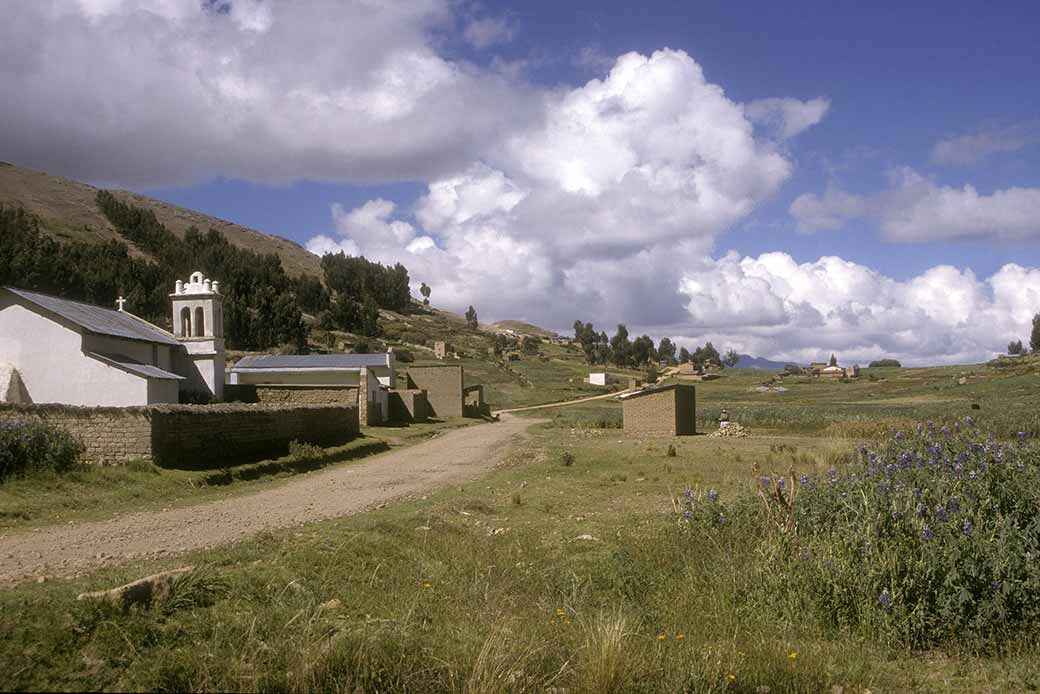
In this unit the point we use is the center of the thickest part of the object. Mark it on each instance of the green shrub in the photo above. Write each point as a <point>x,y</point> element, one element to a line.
<point>926,537</point>
<point>28,448</point>
<point>301,450</point>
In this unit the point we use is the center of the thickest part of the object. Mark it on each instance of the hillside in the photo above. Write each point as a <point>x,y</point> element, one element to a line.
<point>67,210</point>
<point>520,328</point>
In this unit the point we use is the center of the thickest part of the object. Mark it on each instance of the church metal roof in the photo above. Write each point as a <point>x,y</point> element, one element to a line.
<point>128,364</point>
<point>102,321</point>
<point>291,362</point>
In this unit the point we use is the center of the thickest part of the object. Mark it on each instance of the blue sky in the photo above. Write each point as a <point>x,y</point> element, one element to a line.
<point>860,177</point>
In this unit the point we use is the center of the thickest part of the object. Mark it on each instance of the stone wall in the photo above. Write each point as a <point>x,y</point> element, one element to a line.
<point>668,411</point>
<point>194,436</point>
<point>279,394</point>
<point>108,434</point>
<point>203,437</point>
<point>292,395</point>
<point>408,405</point>
<point>443,386</point>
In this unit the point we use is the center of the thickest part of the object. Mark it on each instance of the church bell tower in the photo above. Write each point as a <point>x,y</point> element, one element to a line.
<point>198,323</point>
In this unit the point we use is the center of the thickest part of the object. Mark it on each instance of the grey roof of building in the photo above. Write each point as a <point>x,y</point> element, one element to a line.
<point>134,367</point>
<point>102,321</point>
<point>310,361</point>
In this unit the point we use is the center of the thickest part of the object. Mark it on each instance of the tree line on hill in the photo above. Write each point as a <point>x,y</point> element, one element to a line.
<point>1017,348</point>
<point>261,308</point>
<point>357,289</point>
<point>620,351</point>
<point>263,305</point>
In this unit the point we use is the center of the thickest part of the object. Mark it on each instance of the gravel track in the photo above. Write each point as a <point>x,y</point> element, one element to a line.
<point>76,549</point>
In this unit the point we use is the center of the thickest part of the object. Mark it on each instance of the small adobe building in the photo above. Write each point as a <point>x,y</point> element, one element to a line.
<point>668,410</point>
<point>443,386</point>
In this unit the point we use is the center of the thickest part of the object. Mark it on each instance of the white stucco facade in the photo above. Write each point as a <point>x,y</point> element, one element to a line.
<point>198,323</point>
<point>55,365</point>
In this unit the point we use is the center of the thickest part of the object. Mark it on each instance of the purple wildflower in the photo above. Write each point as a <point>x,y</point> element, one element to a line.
<point>885,599</point>
<point>927,533</point>
<point>713,495</point>
<point>967,527</point>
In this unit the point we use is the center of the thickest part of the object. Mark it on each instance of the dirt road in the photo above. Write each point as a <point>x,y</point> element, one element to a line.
<point>68,550</point>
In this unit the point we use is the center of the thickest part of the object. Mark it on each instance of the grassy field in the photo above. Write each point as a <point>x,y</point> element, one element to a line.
<point>565,571</point>
<point>559,571</point>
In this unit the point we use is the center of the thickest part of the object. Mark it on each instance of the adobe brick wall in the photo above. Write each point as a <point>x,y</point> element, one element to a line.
<point>665,413</point>
<point>108,434</point>
<point>205,436</point>
<point>274,394</point>
<point>201,436</point>
<point>408,405</point>
<point>443,386</point>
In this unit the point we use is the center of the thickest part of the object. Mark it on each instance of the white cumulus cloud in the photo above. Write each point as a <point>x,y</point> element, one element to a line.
<point>971,148</point>
<point>788,116</point>
<point>153,92</point>
<point>804,311</point>
<point>596,204</point>
<point>915,208</point>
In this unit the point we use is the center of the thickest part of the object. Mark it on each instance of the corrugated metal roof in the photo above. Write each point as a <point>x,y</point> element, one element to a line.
<point>102,321</point>
<point>128,364</point>
<point>310,361</point>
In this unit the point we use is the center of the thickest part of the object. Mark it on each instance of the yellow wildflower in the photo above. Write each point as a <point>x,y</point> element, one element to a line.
<point>732,676</point>
<point>792,655</point>
<point>660,637</point>
<point>680,637</point>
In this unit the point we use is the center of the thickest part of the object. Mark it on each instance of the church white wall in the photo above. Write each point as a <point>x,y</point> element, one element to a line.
<point>54,368</point>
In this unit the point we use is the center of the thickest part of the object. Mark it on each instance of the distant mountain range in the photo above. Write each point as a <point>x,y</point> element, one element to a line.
<point>749,362</point>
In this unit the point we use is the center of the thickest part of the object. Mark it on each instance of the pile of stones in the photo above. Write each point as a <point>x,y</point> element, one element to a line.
<point>732,429</point>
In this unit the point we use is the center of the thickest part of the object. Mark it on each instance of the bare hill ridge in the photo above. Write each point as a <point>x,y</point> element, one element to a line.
<point>67,210</point>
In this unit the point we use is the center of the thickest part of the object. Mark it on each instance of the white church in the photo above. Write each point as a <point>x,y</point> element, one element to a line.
<point>54,350</point>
